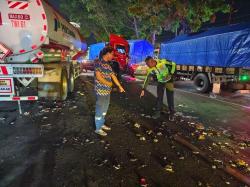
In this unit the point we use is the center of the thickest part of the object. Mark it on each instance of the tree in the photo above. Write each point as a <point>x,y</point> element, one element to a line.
<point>140,18</point>
<point>156,15</point>
<point>99,18</point>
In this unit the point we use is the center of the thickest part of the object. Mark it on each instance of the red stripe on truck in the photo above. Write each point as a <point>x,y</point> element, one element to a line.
<point>34,46</point>
<point>22,51</point>
<point>42,38</point>
<point>15,98</point>
<point>1,22</point>
<point>14,4</point>
<point>38,2</point>
<point>44,16</point>
<point>4,70</point>
<point>24,6</point>
<point>31,98</point>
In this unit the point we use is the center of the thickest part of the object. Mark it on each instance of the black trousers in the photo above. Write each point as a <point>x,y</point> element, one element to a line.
<point>169,93</point>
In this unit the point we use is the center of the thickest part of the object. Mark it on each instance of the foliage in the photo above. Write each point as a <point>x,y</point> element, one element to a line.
<point>140,18</point>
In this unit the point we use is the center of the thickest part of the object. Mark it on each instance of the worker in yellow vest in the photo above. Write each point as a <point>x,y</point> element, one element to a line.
<point>161,70</point>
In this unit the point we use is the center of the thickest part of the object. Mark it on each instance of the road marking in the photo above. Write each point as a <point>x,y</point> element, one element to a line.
<point>222,101</point>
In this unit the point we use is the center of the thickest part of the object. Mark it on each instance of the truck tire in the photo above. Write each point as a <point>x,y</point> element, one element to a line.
<point>202,83</point>
<point>71,81</point>
<point>63,86</point>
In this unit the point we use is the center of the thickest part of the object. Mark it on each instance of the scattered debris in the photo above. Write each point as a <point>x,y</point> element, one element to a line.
<point>81,93</point>
<point>26,113</point>
<point>132,157</point>
<point>159,134</point>
<point>169,168</point>
<point>142,138</point>
<point>149,132</point>
<point>117,167</point>
<point>74,107</point>
<point>47,125</point>
<point>200,126</point>
<point>196,152</point>
<point>103,162</point>
<point>64,140</point>
<point>241,163</point>
<point>143,182</point>
<point>156,140</point>
<point>236,152</point>
<point>242,146</point>
<point>199,183</point>
<point>137,125</point>
<point>2,119</point>
<point>201,137</point>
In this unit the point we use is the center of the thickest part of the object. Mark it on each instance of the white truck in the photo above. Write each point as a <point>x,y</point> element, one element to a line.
<point>38,49</point>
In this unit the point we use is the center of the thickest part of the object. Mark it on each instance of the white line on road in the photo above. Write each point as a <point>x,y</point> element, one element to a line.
<point>235,104</point>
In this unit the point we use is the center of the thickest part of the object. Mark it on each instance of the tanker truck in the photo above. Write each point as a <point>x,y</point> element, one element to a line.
<point>39,49</point>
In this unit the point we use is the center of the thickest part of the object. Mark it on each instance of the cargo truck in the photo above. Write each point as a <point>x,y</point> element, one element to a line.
<point>213,57</point>
<point>39,49</point>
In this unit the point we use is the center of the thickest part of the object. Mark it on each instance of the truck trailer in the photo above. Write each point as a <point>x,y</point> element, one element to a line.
<point>39,49</point>
<point>216,56</point>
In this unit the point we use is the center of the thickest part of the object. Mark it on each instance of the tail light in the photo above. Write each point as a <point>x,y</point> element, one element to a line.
<point>27,71</point>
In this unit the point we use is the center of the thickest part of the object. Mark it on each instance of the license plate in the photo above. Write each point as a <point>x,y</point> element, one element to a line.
<point>6,86</point>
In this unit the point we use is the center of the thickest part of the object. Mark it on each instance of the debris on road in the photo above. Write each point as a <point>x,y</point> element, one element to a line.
<point>142,138</point>
<point>214,167</point>
<point>200,126</point>
<point>169,168</point>
<point>26,113</point>
<point>156,140</point>
<point>201,137</point>
<point>64,140</point>
<point>228,183</point>
<point>241,163</point>
<point>117,167</point>
<point>81,93</point>
<point>45,117</point>
<point>137,125</point>
<point>72,108</point>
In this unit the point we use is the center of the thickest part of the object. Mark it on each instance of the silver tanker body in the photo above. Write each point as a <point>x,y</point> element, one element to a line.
<point>37,47</point>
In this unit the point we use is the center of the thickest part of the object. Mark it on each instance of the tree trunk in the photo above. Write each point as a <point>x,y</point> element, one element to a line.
<point>153,38</point>
<point>136,28</point>
<point>231,12</point>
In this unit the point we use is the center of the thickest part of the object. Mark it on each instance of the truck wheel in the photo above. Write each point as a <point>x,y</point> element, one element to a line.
<point>202,83</point>
<point>71,81</point>
<point>63,86</point>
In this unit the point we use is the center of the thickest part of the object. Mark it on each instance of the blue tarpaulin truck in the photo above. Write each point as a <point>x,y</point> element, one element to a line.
<point>217,55</point>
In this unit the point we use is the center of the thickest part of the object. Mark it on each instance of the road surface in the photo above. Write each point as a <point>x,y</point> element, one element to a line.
<point>54,144</point>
